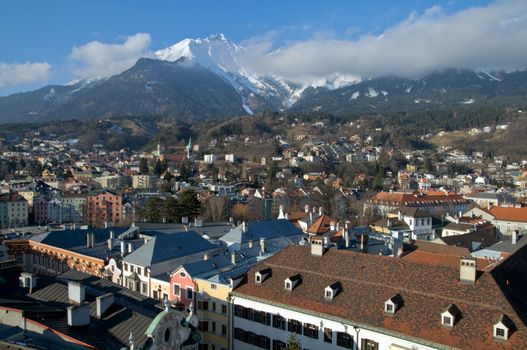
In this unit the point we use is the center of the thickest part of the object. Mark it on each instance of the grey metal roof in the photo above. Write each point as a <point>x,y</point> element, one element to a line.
<point>256,230</point>
<point>68,239</point>
<point>163,247</point>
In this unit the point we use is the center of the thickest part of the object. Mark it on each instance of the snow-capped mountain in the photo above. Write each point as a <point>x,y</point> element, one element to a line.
<point>221,56</point>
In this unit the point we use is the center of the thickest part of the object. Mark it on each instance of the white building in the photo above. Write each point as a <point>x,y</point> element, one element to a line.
<point>348,300</point>
<point>229,158</point>
<point>210,158</point>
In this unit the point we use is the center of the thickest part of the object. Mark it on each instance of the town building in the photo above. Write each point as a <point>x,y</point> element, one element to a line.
<point>340,299</point>
<point>13,210</point>
<point>104,206</point>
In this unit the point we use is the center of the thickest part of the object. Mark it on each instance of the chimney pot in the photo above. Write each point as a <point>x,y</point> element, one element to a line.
<point>233,257</point>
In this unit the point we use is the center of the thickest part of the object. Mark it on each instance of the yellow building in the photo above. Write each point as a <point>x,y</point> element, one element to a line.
<point>213,299</point>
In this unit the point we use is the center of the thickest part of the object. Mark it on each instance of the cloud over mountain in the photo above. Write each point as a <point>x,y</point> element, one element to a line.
<point>490,37</point>
<point>103,60</point>
<point>14,74</point>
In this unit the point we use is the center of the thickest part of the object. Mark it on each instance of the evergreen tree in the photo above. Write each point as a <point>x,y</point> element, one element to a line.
<point>293,343</point>
<point>143,166</point>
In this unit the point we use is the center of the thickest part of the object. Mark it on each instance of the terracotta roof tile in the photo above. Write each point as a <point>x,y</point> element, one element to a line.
<point>509,213</point>
<point>427,291</point>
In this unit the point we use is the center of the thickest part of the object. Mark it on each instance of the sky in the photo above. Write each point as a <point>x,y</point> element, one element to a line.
<point>54,42</point>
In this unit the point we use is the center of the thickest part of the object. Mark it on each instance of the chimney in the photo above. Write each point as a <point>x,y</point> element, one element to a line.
<point>250,243</point>
<point>467,270</point>
<point>262,245</point>
<point>123,249</point>
<point>346,238</point>
<point>88,240</point>
<point>103,303</point>
<point>332,226</point>
<point>281,213</point>
<point>110,244</point>
<point>363,243</point>
<point>320,211</point>
<point>112,235</point>
<point>317,246</point>
<point>400,215</point>
<point>306,208</point>
<point>314,210</point>
<point>79,315</point>
<point>489,205</point>
<point>184,220</point>
<point>145,240</point>
<point>514,238</point>
<point>310,218</point>
<point>76,292</point>
<point>388,222</point>
<point>130,248</point>
<point>233,257</point>
<point>198,222</point>
<point>244,227</point>
<point>206,256</point>
<point>106,224</point>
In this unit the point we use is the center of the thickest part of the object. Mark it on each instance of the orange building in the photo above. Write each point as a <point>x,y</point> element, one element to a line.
<point>105,207</point>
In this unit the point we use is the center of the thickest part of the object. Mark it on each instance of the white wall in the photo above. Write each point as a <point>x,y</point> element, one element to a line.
<point>385,341</point>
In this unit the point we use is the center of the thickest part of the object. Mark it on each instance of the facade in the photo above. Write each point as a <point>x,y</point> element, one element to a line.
<point>509,219</point>
<point>144,182</point>
<point>104,206</point>
<point>113,182</point>
<point>161,254</point>
<point>14,210</point>
<point>437,203</point>
<point>74,208</point>
<point>419,222</point>
<point>386,303</point>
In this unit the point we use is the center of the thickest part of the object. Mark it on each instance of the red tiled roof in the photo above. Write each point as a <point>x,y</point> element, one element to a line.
<point>509,213</point>
<point>408,199</point>
<point>427,291</point>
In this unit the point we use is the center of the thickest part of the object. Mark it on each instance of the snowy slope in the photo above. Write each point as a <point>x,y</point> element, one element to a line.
<point>220,55</point>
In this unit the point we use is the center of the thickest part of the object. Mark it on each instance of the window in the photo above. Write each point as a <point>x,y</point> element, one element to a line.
<point>190,293</point>
<point>500,332</point>
<point>176,290</point>
<point>213,286</point>
<point>203,326</point>
<point>213,327</point>
<point>279,322</point>
<point>329,294</point>
<point>213,306</point>
<point>447,321</point>
<point>279,345</point>
<point>288,285</point>
<point>294,326</point>
<point>258,279</point>
<point>368,344</point>
<point>389,308</point>
<point>238,310</point>
<point>143,288</point>
<point>310,330</point>
<point>224,330</point>
<point>344,340</point>
<point>328,335</point>
<point>223,308</point>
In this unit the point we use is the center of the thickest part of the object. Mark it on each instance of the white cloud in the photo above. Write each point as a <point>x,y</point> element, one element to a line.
<point>491,37</point>
<point>97,59</point>
<point>15,74</point>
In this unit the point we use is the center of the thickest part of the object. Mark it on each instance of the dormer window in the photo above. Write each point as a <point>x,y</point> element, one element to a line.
<point>331,291</point>
<point>291,282</point>
<point>450,316</point>
<point>503,328</point>
<point>391,305</point>
<point>260,276</point>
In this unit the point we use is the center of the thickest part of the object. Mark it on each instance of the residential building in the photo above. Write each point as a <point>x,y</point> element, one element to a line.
<point>13,210</point>
<point>104,206</point>
<point>437,203</point>
<point>342,299</point>
<point>509,219</point>
<point>144,182</point>
<point>74,207</point>
<point>160,254</point>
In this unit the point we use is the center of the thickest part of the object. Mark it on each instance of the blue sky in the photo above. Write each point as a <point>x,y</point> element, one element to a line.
<point>46,32</point>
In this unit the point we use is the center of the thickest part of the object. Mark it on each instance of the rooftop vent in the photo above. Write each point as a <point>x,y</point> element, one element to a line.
<point>450,316</point>
<point>331,291</point>
<point>291,282</point>
<point>393,304</point>
<point>262,275</point>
